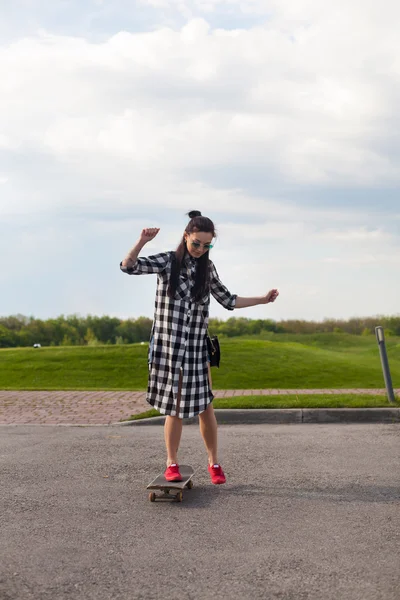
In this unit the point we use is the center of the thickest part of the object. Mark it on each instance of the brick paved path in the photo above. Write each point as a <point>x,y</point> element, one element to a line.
<point>103,408</point>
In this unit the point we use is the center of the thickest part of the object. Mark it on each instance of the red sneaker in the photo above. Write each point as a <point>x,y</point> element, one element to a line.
<point>217,474</point>
<point>172,473</point>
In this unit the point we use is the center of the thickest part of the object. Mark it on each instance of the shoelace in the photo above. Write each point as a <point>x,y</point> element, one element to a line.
<point>216,470</point>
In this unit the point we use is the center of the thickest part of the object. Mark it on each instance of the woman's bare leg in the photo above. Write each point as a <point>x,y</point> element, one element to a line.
<point>173,431</point>
<point>208,429</point>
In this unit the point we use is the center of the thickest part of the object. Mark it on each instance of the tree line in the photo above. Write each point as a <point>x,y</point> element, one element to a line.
<point>19,330</point>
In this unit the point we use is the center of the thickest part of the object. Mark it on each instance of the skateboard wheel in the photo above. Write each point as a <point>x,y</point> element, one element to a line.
<point>152,497</point>
<point>190,484</point>
<point>179,497</point>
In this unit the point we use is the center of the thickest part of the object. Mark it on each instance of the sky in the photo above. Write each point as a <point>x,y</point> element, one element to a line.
<point>276,119</point>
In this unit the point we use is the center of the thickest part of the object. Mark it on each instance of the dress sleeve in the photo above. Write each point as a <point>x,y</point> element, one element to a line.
<point>146,265</point>
<point>219,291</point>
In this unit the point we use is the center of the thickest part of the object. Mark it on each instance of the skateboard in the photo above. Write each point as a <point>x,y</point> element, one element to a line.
<point>172,490</point>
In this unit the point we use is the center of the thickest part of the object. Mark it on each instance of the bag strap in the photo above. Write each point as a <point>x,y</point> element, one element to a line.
<point>213,350</point>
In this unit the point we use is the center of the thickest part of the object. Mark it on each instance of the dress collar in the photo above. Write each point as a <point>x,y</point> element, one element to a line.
<point>189,261</point>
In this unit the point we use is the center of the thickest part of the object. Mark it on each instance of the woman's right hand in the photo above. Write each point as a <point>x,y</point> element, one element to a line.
<point>148,234</point>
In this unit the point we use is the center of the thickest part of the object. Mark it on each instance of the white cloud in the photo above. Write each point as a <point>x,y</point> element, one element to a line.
<point>356,260</point>
<point>243,233</point>
<point>357,235</point>
<point>100,139</point>
<point>196,98</point>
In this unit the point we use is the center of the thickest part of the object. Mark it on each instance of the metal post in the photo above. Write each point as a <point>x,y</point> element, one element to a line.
<point>380,336</point>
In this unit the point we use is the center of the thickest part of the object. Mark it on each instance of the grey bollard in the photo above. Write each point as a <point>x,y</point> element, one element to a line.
<point>380,336</point>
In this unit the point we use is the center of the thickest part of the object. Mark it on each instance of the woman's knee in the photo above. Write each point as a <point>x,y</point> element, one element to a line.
<point>207,413</point>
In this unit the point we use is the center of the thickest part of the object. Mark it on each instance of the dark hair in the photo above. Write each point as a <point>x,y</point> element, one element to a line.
<point>197,223</point>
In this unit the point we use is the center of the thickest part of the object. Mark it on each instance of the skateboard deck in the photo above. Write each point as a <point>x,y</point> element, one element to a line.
<point>172,490</point>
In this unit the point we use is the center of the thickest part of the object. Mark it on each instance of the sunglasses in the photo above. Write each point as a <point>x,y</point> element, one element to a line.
<point>198,245</point>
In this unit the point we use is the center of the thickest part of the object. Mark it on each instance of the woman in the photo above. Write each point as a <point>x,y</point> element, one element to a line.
<point>179,384</point>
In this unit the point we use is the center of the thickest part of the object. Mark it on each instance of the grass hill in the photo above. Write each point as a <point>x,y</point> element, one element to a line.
<point>271,361</point>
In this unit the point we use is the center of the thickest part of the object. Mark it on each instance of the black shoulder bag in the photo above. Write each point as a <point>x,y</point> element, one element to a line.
<point>214,351</point>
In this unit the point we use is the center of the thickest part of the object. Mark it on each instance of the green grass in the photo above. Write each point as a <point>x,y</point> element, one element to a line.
<point>293,401</point>
<point>270,361</point>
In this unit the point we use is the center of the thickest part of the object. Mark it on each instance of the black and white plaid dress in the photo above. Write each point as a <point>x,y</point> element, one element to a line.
<point>179,336</point>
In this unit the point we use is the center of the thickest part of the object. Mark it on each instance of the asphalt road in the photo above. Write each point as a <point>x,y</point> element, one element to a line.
<point>308,512</point>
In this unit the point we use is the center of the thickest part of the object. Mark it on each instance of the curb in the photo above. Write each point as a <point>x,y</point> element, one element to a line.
<point>252,416</point>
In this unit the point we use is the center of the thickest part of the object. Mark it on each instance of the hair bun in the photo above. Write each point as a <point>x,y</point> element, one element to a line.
<point>194,213</point>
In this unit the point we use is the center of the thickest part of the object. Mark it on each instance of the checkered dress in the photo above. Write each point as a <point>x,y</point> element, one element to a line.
<point>179,336</point>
